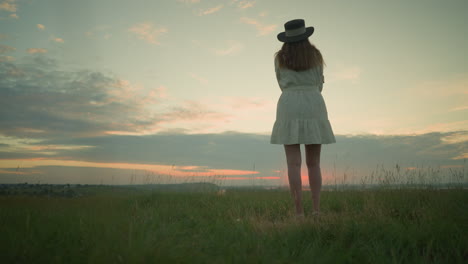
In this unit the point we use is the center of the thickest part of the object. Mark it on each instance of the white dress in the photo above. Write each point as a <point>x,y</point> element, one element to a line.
<point>301,113</point>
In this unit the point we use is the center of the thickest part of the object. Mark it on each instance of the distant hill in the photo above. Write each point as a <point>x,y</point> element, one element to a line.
<point>179,187</point>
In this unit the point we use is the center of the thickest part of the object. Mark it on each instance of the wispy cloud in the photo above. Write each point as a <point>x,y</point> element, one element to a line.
<point>346,73</point>
<point>14,16</point>
<point>444,127</point>
<point>233,48</point>
<point>242,102</point>
<point>8,5</point>
<point>5,49</point>
<point>178,171</point>
<point>453,86</point>
<point>245,4</point>
<point>6,58</point>
<point>40,26</point>
<point>455,137</point>
<point>26,147</point>
<point>198,78</point>
<point>192,110</point>
<point>148,32</point>
<point>59,40</point>
<point>459,108</point>
<point>36,50</point>
<point>99,30</point>
<point>461,156</point>
<point>262,29</point>
<point>208,11</point>
<point>189,1</point>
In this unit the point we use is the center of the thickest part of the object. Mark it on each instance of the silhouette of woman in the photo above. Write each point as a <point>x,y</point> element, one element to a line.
<point>301,114</point>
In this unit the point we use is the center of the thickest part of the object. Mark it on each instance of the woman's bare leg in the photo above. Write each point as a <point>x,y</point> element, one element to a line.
<point>315,175</point>
<point>293,159</point>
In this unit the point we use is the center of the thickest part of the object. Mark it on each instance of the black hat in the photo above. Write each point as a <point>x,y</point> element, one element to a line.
<point>295,30</point>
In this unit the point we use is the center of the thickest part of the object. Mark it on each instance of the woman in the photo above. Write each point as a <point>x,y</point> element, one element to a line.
<point>301,115</point>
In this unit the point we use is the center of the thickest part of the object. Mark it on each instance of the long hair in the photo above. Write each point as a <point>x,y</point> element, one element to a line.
<point>299,56</point>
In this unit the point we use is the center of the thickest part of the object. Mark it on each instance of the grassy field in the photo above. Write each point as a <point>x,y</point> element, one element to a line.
<point>118,225</point>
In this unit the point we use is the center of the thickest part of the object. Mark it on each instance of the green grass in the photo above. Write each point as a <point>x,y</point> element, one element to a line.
<point>251,226</point>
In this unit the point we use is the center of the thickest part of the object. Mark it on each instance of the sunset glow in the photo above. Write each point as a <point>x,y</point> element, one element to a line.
<point>187,89</point>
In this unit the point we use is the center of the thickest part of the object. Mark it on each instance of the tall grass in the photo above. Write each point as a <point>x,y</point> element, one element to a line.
<point>123,226</point>
<point>383,221</point>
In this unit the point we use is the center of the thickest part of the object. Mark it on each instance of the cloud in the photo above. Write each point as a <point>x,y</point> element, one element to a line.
<point>189,1</point>
<point>240,102</point>
<point>38,95</point>
<point>148,32</point>
<point>40,26</point>
<point>233,48</point>
<point>191,110</point>
<point>245,4</point>
<point>5,49</point>
<point>178,171</point>
<point>6,58</point>
<point>99,30</point>
<point>455,85</point>
<point>161,91</point>
<point>236,153</point>
<point>36,50</point>
<point>8,5</point>
<point>262,29</point>
<point>39,99</point>
<point>345,73</point>
<point>444,127</point>
<point>459,108</point>
<point>14,16</point>
<point>203,12</point>
<point>198,78</point>
<point>34,147</point>
<point>59,40</point>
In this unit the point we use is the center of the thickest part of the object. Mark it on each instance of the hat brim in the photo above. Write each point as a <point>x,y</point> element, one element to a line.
<point>283,38</point>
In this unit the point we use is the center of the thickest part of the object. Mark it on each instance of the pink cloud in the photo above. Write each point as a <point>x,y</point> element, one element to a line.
<point>242,102</point>
<point>8,5</point>
<point>459,108</point>
<point>20,172</point>
<point>177,171</point>
<point>233,48</point>
<point>198,78</point>
<point>36,50</point>
<point>194,111</point>
<point>444,127</point>
<point>148,32</point>
<point>211,10</point>
<point>245,4</point>
<point>262,29</point>
<point>189,1</point>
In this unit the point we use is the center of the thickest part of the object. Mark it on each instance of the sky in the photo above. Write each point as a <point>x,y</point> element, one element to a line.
<point>119,92</point>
